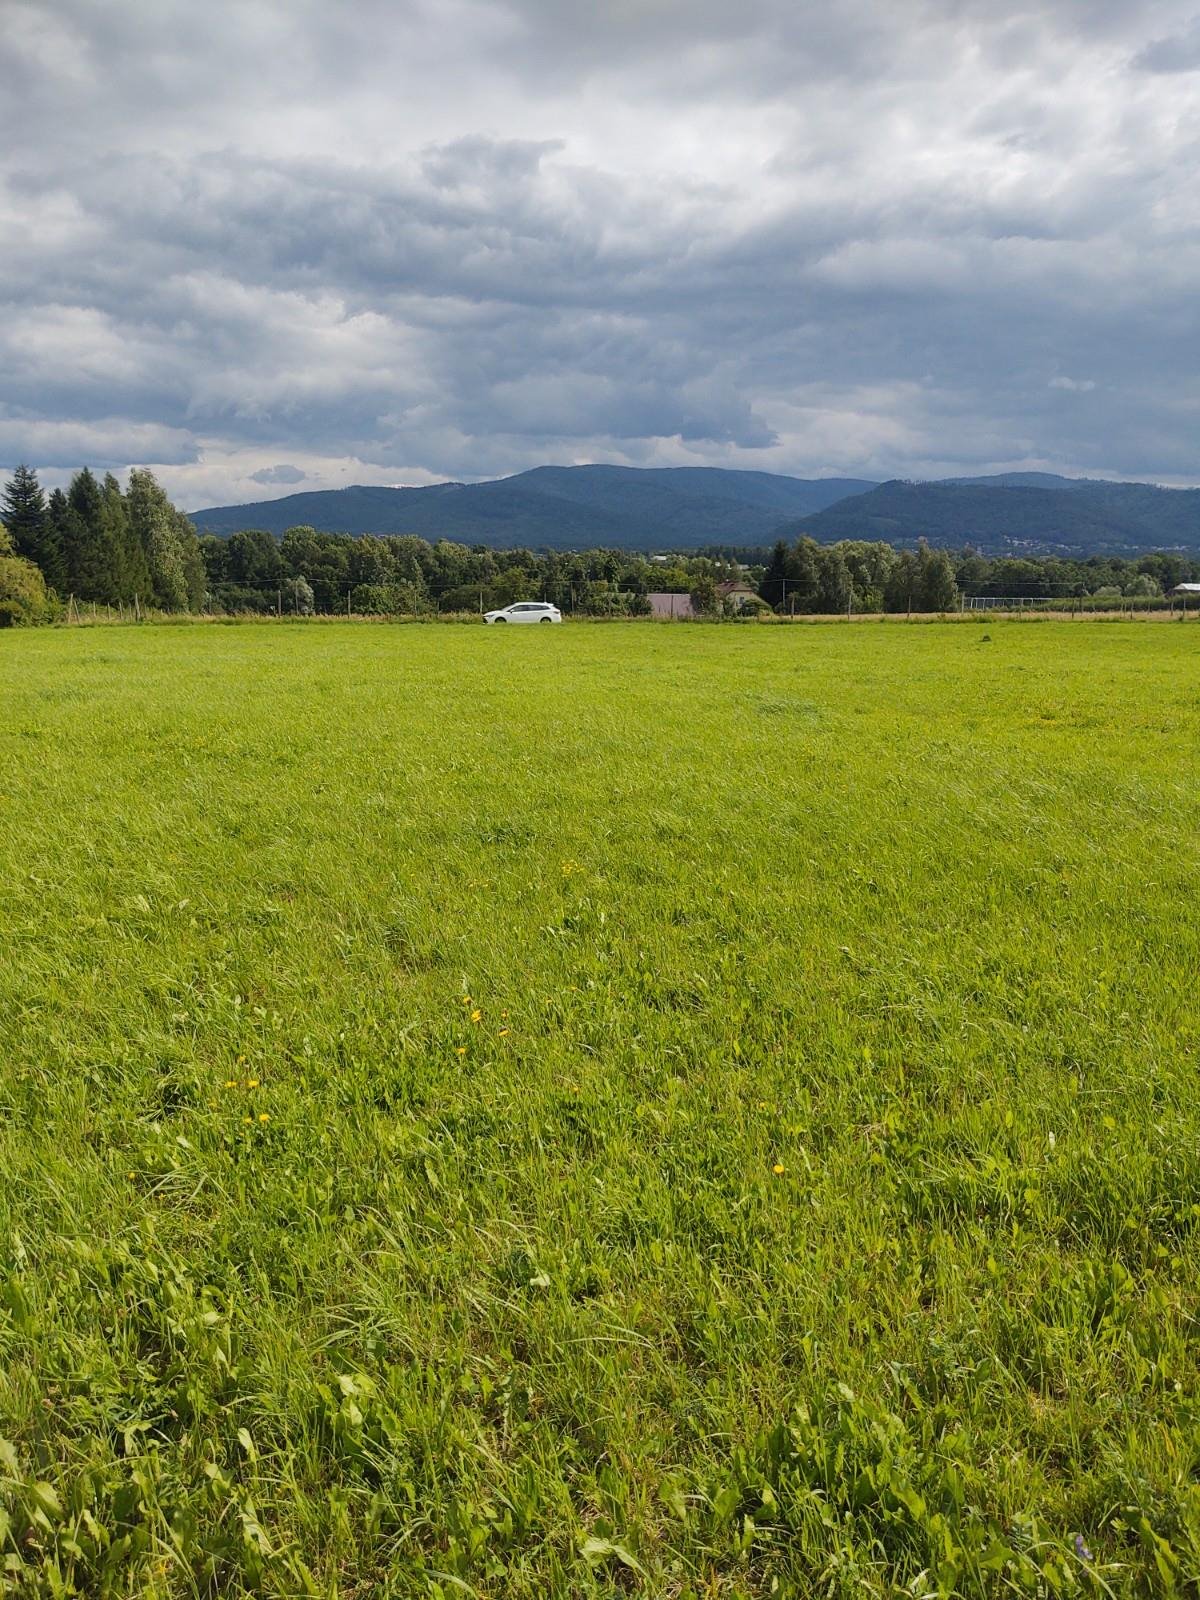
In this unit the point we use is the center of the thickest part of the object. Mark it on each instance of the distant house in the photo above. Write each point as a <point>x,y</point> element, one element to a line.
<point>738,594</point>
<point>665,606</point>
<point>1186,589</point>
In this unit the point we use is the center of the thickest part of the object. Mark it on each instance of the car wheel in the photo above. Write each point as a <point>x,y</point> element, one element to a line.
<point>499,619</point>
<point>547,619</point>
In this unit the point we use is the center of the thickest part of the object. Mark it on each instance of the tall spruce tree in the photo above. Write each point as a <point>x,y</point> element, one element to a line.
<point>773,587</point>
<point>91,552</point>
<point>54,563</point>
<point>23,513</point>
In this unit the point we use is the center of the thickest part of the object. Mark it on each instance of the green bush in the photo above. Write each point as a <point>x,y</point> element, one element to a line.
<point>388,600</point>
<point>24,598</point>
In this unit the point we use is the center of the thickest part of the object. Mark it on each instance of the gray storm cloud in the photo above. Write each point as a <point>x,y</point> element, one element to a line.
<point>261,246</point>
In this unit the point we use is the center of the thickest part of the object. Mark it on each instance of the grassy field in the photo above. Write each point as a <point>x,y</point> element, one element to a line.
<point>692,1112</point>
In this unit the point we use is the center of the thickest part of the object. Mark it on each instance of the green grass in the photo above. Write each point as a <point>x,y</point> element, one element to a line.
<point>811,1207</point>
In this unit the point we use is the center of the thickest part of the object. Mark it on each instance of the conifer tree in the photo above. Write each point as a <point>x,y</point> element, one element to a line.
<point>90,551</point>
<point>774,585</point>
<point>23,513</point>
<point>54,563</point>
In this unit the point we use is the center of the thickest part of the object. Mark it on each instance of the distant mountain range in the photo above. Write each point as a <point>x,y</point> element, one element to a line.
<point>684,508</point>
<point>559,508</point>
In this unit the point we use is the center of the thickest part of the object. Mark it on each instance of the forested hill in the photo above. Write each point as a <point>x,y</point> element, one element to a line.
<point>689,508</point>
<point>999,517</point>
<point>559,508</point>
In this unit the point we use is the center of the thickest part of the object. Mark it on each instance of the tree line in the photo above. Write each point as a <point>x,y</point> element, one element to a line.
<point>310,571</point>
<point>326,572</point>
<point>870,576</point>
<point>97,542</point>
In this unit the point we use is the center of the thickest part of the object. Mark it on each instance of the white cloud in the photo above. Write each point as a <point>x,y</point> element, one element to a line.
<point>398,240</point>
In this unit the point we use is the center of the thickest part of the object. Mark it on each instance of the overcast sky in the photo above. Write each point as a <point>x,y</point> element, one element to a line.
<point>261,245</point>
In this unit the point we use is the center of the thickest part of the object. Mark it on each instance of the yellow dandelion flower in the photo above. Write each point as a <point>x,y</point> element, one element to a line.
<point>503,1031</point>
<point>231,1083</point>
<point>461,1051</point>
<point>252,1083</point>
<point>264,1116</point>
<point>476,1015</point>
<point>247,1119</point>
<point>778,1168</point>
<point>131,1174</point>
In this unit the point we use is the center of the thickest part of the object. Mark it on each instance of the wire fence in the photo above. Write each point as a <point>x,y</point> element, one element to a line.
<point>89,613</point>
<point>1083,605</point>
<point>597,599</point>
<point>408,597</point>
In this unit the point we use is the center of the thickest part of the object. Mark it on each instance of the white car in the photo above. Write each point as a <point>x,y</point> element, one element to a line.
<point>525,611</point>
